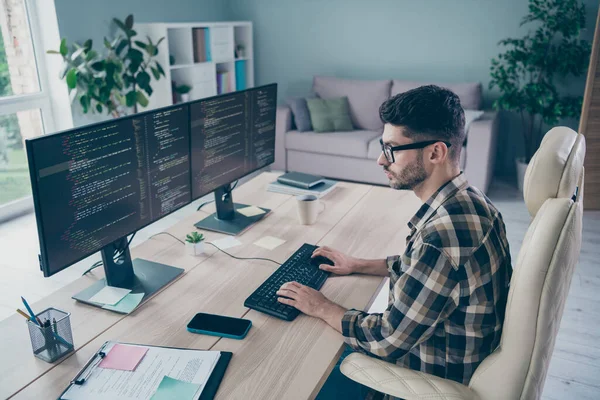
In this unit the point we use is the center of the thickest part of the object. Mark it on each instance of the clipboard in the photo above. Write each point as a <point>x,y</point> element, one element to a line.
<point>208,393</point>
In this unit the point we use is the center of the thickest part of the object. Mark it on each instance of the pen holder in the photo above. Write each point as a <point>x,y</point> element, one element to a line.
<point>53,341</point>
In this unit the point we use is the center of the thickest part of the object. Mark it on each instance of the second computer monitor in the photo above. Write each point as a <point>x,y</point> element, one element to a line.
<point>231,136</point>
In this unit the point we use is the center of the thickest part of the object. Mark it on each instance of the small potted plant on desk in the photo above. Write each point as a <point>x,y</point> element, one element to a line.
<point>184,92</point>
<point>194,243</point>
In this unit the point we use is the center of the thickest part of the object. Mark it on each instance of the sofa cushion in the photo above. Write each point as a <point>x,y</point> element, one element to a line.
<point>300,113</point>
<point>348,144</point>
<point>469,93</point>
<point>364,97</point>
<point>329,115</point>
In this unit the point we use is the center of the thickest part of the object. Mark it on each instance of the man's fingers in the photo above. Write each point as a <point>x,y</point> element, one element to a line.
<point>287,293</point>
<point>289,302</point>
<point>327,267</point>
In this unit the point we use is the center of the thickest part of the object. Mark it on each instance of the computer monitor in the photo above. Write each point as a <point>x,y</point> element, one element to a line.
<point>95,185</point>
<point>232,136</point>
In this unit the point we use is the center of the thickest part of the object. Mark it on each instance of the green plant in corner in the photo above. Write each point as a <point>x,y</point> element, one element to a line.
<point>194,237</point>
<point>120,78</point>
<point>527,73</point>
<point>183,89</point>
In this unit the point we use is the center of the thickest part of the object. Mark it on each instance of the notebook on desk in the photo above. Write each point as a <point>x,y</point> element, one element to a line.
<point>156,373</point>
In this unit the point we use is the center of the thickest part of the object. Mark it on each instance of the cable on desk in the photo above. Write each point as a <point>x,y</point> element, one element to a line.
<point>115,256</point>
<point>217,247</point>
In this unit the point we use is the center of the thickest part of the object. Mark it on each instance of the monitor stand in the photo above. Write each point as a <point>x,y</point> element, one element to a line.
<point>227,219</point>
<point>138,275</point>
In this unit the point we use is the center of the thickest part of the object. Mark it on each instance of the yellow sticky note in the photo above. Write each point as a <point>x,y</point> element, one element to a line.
<point>269,242</point>
<point>250,211</point>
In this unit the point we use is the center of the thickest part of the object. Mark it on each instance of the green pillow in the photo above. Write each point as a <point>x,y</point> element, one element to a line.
<point>328,115</point>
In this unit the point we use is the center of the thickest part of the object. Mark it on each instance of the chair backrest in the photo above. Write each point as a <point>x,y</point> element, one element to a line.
<point>543,271</point>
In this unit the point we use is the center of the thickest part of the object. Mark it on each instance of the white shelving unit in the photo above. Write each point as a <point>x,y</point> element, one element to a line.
<point>179,54</point>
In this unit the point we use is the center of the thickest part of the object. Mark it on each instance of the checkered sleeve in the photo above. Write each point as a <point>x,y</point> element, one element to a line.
<point>424,294</point>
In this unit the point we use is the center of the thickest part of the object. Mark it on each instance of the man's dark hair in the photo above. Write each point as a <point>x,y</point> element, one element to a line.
<point>428,112</point>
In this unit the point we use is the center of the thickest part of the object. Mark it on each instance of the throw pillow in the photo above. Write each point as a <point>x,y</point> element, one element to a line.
<point>470,116</point>
<point>300,113</point>
<point>329,115</point>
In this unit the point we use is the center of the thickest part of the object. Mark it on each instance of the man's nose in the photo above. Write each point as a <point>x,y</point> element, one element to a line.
<point>381,160</point>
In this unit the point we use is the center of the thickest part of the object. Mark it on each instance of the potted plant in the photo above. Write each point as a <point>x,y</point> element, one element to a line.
<point>194,243</point>
<point>184,92</point>
<point>528,71</point>
<point>116,81</point>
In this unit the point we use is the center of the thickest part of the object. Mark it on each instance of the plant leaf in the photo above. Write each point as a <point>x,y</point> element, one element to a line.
<point>120,24</point>
<point>72,78</point>
<point>91,55</point>
<point>131,33</point>
<point>98,66</point>
<point>130,98</point>
<point>63,47</point>
<point>99,107</point>
<point>52,52</point>
<point>142,99</point>
<point>129,21</point>
<point>88,44</point>
<point>159,41</point>
<point>160,69</point>
<point>85,103</point>
<point>141,44</point>
<point>143,79</point>
<point>121,46</point>
<point>155,73</point>
<point>107,44</point>
<point>77,53</point>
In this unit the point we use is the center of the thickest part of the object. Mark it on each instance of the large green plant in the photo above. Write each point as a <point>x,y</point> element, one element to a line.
<point>528,71</point>
<point>120,78</point>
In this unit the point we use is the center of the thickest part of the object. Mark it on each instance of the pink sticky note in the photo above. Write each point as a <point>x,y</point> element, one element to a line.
<point>123,357</point>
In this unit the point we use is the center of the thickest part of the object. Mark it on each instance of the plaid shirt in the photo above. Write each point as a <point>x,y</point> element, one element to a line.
<point>448,291</point>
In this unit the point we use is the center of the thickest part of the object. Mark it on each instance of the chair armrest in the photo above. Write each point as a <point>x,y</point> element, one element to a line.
<point>402,382</point>
<point>481,150</point>
<point>283,125</point>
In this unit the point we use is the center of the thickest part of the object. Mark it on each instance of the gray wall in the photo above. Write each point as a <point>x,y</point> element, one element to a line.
<point>79,20</point>
<point>435,40</point>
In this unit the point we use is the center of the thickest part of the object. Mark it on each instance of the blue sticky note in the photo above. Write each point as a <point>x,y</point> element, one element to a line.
<point>170,388</point>
<point>127,304</point>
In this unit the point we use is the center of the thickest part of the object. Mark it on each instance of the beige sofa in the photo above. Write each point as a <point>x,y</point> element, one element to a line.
<point>353,155</point>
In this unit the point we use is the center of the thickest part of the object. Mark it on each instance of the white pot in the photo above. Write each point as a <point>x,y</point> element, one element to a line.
<point>185,97</point>
<point>194,249</point>
<point>521,168</point>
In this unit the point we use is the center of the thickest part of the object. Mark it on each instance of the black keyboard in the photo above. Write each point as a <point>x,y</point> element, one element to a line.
<point>300,268</point>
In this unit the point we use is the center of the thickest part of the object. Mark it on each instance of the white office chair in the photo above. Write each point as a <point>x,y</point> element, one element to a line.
<point>539,286</point>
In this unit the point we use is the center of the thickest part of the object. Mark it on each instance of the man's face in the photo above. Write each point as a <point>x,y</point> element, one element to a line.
<point>408,169</point>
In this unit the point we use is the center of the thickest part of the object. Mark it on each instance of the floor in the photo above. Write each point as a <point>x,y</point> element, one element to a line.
<point>575,366</point>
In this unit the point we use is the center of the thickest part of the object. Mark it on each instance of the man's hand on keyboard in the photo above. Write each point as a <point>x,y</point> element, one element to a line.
<point>343,264</point>
<point>311,302</point>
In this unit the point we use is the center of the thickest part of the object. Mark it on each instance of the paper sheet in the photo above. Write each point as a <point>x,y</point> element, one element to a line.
<point>170,388</point>
<point>190,366</point>
<point>250,211</point>
<point>109,295</point>
<point>123,357</point>
<point>269,242</point>
<point>127,303</point>
<point>226,243</point>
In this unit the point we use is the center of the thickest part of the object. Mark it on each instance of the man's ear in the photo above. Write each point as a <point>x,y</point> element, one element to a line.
<point>439,153</point>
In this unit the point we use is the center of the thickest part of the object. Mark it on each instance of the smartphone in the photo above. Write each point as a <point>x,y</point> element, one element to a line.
<point>219,325</point>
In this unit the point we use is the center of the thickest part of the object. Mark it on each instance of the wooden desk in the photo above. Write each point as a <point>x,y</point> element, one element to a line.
<point>277,359</point>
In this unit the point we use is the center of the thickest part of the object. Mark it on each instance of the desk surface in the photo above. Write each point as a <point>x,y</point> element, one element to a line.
<point>277,359</point>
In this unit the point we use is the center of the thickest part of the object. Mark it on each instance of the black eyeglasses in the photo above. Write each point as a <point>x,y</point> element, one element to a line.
<point>388,151</point>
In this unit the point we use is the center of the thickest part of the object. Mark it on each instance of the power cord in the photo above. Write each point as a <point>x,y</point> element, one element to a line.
<point>115,256</point>
<point>221,250</point>
<point>211,201</point>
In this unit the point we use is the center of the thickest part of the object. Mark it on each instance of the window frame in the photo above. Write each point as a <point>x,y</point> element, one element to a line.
<point>35,101</point>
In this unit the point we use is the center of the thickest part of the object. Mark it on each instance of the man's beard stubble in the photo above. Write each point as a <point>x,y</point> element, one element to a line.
<point>411,176</point>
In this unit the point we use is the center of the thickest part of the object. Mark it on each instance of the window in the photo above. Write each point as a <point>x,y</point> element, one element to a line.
<point>25,110</point>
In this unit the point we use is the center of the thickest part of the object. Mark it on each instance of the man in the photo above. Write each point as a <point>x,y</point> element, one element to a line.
<point>448,291</point>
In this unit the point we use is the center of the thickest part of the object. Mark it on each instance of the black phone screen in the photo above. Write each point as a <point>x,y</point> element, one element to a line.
<point>219,324</point>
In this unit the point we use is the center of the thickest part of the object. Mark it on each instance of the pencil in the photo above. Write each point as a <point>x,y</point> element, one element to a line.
<point>23,314</point>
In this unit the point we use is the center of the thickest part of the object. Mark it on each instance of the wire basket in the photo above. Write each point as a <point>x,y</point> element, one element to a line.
<point>54,339</point>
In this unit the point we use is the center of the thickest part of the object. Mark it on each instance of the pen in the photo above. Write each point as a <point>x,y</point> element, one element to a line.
<point>33,317</point>
<point>23,314</point>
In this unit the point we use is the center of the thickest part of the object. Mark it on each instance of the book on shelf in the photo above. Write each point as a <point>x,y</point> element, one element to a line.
<point>319,190</point>
<point>240,74</point>
<point>201,44</point>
